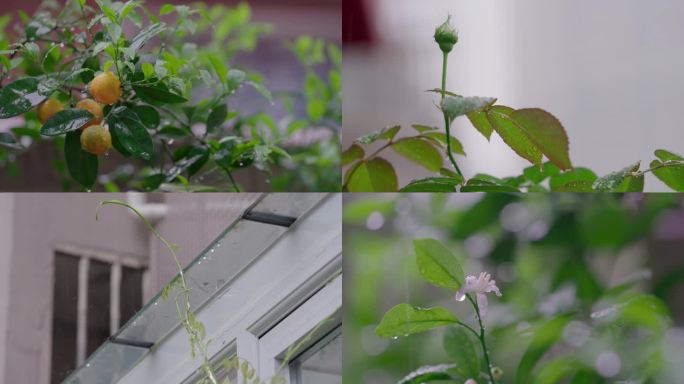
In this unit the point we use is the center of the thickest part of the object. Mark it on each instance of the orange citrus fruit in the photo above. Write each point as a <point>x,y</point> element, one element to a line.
<point>96,139</point>
<point>105,88</point>
<point>48,108</point>
<point>94,108</point>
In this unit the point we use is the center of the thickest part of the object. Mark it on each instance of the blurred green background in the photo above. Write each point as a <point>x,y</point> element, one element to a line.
<point>592,284</point>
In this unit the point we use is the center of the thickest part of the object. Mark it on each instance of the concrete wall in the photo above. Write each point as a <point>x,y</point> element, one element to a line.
<point>31,225</point>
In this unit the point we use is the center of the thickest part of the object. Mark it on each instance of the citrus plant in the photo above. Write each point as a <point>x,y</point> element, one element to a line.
<point>532,133</point>
<point>115,77</point>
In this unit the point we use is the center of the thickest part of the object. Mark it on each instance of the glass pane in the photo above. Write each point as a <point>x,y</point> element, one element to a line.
<point>64,317</point>
<point>108,364</point>
<point>289,204</point>
<point>99,284</point>
<point>321,364</point>
<point>208,274</point>
<point>131,293</point>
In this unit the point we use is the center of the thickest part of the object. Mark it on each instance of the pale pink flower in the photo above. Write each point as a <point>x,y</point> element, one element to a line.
<point>479,286</point>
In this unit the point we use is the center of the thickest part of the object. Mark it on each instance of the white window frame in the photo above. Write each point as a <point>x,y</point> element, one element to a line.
<point>116,261</point>
<point>324,306</point>
<point>302,264</point>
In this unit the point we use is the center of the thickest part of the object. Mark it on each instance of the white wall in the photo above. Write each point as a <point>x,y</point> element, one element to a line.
<point>610,70</point>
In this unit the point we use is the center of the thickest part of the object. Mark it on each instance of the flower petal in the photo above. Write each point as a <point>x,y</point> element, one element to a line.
<point>482,304</point>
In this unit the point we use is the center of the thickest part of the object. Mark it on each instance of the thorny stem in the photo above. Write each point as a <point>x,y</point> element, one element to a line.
<point>481,336</point>
<point>447,123</point>
<point>183,313</point>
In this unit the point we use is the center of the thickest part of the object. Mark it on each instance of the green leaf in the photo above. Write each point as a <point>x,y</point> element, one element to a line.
<point>455,106</point>
<point>405,319</point>
<point>577,180</point>
<point>386,133</point>
<point>352,154</point>
<point>544,337</point>
<point>629,179</point>
<point>669,169</point>
<point>511,133</point>
<point>157,94</point>
<point>7,140</point>
<point>487,183</point>
<point>456,146</point>
<point>547,133</point>
<point>263,91</point>
<point>146,34</point>
<point>131,132</point>
<point>481,122</point>
<point>437,264</point>
<point>19,97</point>
<point>460,349</point>
<point>420,152</point>
<point>538,174</point>
<point>217,117</point>
<point>429,373</point>
<point>423,128</point>
<point>81,165</point>
<point>66,121</point>
<point>433,184</point>
<point>148,115</point>
<point>166,9</point>
<point>170,131</point>
<point>376,175</point>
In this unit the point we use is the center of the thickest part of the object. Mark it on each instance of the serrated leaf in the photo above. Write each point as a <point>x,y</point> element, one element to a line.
<point>537,174</point>
<point>375,175</point>
<point>501,121</point>
<point>437,264</point>
<point>405,319</point>
<point>423,128</point>
<point>66,121</point>
<point>387,133</point>
<point>455,106</point>
<point>577,180</point>
<point>420,152</point>
<point>433,184</point>
<point>625,180</point>
<point>352,154</point>
<point>480,121</point>
<point>456,146</point>
<point>547,133</point>
<point>82,165</point>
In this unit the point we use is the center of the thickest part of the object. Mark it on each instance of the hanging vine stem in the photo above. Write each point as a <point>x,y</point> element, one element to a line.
<point>192,326</point>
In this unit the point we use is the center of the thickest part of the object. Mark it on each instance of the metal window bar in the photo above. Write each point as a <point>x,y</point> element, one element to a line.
<point>130,344</point>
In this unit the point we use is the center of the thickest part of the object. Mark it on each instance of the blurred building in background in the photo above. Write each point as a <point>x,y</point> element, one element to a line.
<point>609,70</point>
<point>69,281</point>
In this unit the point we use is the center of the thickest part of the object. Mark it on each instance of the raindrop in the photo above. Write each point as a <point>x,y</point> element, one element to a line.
<point>211,250</point>
<point>171,141</point>
<point>460,296</point>
<point>375,221</point>
<point>395,337</point>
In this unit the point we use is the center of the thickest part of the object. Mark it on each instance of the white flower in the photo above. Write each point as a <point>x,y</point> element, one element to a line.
<point>470,381</point>
<point>479,286</point>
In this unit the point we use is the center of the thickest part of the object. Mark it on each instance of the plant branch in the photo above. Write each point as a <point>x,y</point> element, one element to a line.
<point>447,123</point>
<point>481,336</point>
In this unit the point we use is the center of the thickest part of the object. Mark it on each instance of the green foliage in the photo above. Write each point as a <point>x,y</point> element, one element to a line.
<point>532,133</point>
<point>584,277</point>
<point>437,264</point>
<point>175,95</point>
<point>405,319</point>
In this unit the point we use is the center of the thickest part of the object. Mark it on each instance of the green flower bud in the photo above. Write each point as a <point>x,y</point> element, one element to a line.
<point>446,36</point>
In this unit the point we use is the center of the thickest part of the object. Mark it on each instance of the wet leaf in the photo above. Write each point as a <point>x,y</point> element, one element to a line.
<point>511,133</point>
<point>82,165</point>
<point>460,348</point>
<point>433,184</point>
<point>437,264</point>
<point>131,132</point>
<point>19,97</point>
<point>386,133</point>
<point>547,133</point>
<point>420,152</point>
<point>629,179</point>
<point>405,319</point>
<point>376,175</point>
<point>65,121</point>
<point>352,154</point>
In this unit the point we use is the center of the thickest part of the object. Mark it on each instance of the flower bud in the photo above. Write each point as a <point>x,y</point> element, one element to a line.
<point>446,36</point>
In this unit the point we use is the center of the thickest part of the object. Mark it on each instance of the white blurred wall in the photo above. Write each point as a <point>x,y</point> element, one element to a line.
<point>610,70</point>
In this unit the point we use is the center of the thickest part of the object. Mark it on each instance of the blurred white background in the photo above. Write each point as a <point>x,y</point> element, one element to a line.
<point>610,70</point>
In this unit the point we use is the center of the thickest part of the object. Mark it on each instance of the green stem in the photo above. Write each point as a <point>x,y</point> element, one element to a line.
<point>483,342</point>
<point>447,123</point>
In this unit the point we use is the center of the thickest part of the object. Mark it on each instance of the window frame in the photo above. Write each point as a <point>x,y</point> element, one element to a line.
<point>116,262</point>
